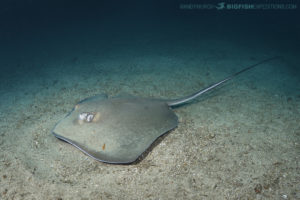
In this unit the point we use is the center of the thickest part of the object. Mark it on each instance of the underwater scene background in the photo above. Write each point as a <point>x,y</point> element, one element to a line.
<point>239,141</point>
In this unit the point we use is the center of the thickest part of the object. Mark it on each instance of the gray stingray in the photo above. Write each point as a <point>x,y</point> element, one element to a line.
<point>120,129</point>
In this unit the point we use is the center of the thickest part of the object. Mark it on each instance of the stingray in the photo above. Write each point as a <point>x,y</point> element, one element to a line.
<point>120,129</point>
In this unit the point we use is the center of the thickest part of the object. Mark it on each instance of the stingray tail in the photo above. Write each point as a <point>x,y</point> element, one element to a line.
<point>180,101</point>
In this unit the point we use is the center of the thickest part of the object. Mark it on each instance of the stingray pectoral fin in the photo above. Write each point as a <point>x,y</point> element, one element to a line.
<point>97,155</point>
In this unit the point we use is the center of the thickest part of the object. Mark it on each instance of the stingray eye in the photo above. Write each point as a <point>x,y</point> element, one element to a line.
<point>86,117</point>
<point>82,116</point>
<point>89,117</point>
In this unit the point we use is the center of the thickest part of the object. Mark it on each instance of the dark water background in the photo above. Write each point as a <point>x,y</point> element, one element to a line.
<point>38,35</point>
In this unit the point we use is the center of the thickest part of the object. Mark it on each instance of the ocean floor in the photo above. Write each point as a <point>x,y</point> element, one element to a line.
<point>240,141</point>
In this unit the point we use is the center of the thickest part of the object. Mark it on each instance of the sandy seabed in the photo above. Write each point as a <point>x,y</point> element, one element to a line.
<point>240,141</point>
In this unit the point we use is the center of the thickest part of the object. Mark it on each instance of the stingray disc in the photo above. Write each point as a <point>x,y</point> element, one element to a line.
<point>115,130</point>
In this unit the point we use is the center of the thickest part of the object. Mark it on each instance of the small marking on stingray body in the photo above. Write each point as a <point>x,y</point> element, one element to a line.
<point>103,147</point>
<point>76,107</point>
<point>97,117</point>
